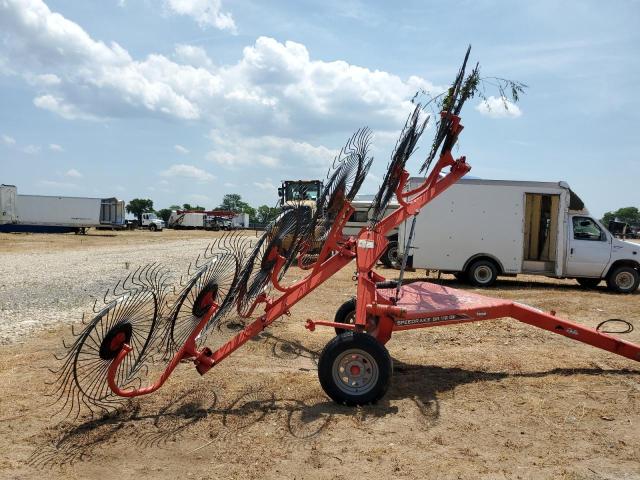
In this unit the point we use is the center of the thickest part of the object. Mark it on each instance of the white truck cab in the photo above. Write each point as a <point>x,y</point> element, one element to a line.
<point>481,229</point>
<point>594,253</point>
<point>152,222</point>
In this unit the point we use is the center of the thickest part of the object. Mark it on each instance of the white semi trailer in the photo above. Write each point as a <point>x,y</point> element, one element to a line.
<point>480,229</point>
<point>180,219</point>
<point>56,214</point>
<point>213,220</point>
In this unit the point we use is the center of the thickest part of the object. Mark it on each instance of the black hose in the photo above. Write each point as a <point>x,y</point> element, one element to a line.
<point>628,325</point>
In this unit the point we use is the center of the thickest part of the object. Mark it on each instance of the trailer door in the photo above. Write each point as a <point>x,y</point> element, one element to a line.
<point>8,204</point>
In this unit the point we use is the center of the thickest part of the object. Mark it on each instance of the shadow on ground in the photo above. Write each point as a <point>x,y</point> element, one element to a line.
<point>298,417</point>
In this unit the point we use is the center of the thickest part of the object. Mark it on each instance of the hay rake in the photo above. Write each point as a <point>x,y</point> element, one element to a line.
<point>235,276</point>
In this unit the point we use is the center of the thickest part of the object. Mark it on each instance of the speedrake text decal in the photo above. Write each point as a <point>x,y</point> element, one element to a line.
<point>436,319</point>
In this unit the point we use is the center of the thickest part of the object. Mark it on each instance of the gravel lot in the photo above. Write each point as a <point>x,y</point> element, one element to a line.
<point>42,288</point>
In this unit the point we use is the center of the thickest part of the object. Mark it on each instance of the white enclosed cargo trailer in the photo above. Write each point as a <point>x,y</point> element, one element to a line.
<point>41,213</point>
<point>240,220</point>
<point>179,219</point>
<point>480,229</point>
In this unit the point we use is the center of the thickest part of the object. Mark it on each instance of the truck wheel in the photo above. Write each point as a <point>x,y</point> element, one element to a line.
<point>588,282</point>
<point>390,257</point>
<point>346,313</point>
<point>623,280</point>
<point>153,227</point>
<point>355,369</point>
<point>482,273</point>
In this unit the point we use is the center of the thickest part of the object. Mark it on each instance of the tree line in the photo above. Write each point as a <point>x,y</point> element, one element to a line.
<point>628,215</point>
<point>231,201</point>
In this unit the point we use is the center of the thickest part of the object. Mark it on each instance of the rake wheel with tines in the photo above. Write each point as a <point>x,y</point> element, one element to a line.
<point>132,317</point>
<point>209,285</point>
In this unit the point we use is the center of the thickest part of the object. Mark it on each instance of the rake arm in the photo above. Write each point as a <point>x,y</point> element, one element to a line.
<point>188,350</point>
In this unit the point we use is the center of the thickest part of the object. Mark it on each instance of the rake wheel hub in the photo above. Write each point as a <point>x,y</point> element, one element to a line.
<point>114,340</point>
<point>204,300</point>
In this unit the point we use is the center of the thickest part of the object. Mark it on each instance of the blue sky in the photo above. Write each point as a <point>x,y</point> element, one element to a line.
<point>186,100</point>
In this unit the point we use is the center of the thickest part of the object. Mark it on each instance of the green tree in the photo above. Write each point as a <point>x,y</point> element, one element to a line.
<point>252,213</point>
<point>164,214</point>
<point>188,206</point>
<point>630,215</point>
<point>233,202</point>
<point>138,206</point>
<point>265,213</point>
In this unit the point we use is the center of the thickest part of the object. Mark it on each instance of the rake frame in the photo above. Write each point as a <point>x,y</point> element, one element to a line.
<point>419,304</point>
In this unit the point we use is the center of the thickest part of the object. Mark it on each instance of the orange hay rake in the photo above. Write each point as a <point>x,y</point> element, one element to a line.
<point>355,367</point>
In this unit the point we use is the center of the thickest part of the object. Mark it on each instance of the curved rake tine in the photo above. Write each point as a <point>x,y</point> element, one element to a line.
<point>95,305</point>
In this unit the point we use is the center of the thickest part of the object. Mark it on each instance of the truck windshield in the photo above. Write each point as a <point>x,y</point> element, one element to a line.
<point>302,191</point>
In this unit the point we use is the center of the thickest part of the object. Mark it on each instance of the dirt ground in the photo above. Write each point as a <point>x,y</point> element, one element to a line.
<point>488,400</point>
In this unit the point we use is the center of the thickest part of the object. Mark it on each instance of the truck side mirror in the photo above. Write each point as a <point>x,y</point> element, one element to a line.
<point>280,191</point>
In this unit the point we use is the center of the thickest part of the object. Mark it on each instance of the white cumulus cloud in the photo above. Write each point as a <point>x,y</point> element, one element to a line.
<point>498,107</point>
<point>193,55</point>
<point>61,107</point>
<point>233,150</point>
<point>54,147</point>
<point>274,88</point>
<point>181,149</point>
<point>73,173</point>
<point>207,13</point>
<point>187,171</point>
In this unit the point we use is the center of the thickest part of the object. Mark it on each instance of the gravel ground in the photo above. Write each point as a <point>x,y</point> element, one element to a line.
<point>44,289</point>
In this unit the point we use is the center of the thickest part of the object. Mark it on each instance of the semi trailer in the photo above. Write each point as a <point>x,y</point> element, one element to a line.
<point>209,220</point>
<point>56,214</point>
<point>481,229</point>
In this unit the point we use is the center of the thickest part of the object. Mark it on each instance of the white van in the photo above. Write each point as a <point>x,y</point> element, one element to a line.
<point>480,229</point>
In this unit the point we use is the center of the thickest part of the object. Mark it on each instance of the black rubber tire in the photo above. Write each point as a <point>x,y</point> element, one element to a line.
<point>153,227</point>
<point>380,362</point>
<point>460,276</point>
<point>390,256</point>
<point>588,282</point>
<point>345,314</point>
<point>614,278</point>
<point>482,273</point>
